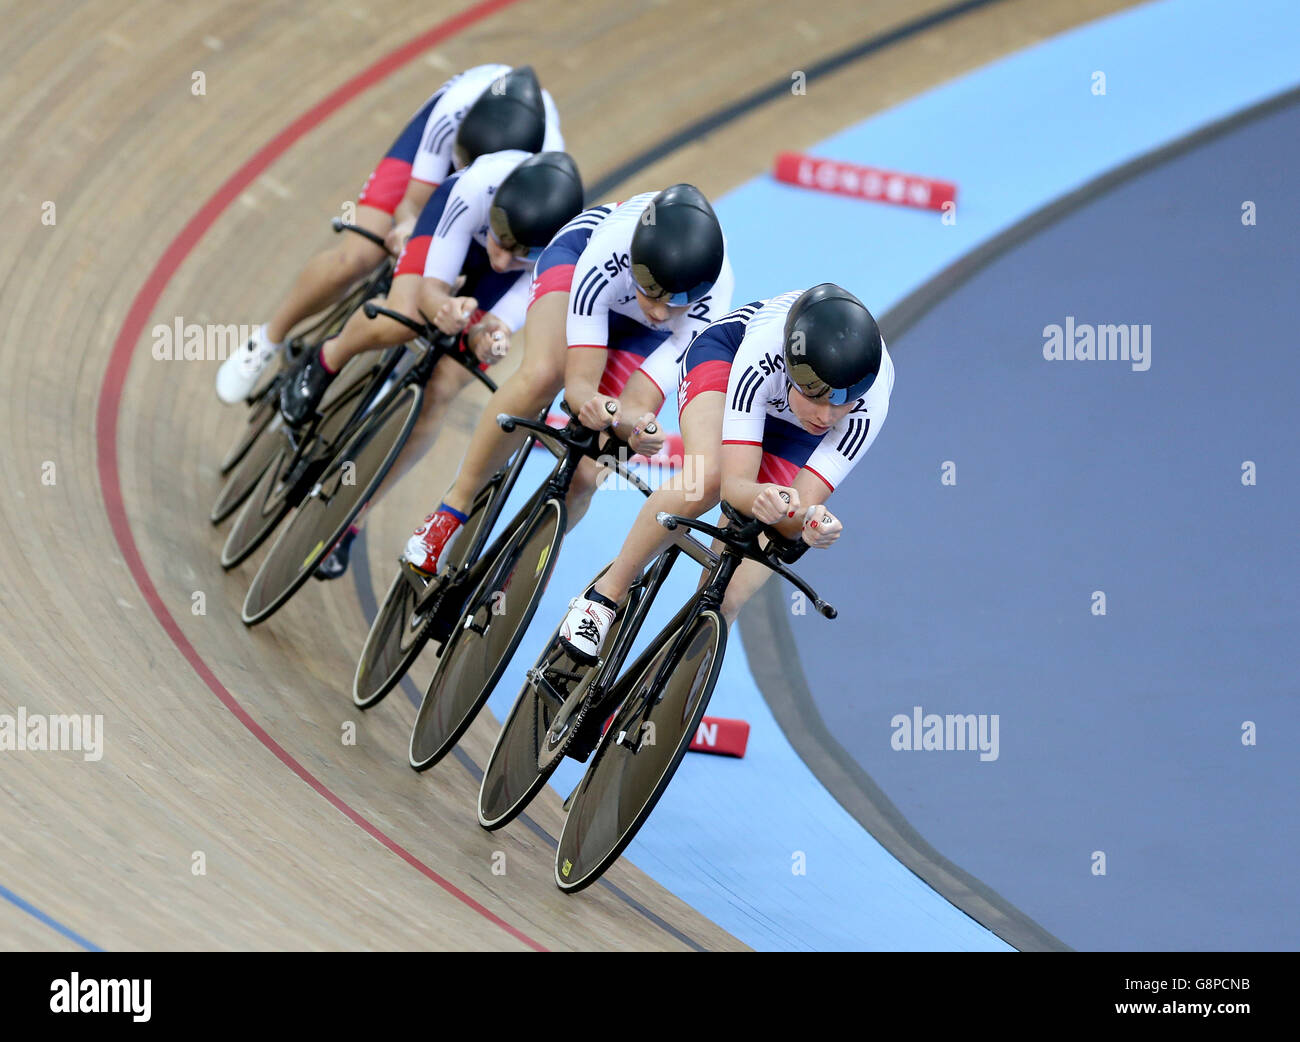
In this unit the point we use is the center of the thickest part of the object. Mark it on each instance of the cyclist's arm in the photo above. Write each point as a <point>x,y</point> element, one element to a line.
<point>740,464</point>
<point>640,398</point>
<point>584,365</point>
<point>417,194</point>
<point>434,293</point>
<point>489,338</point>
<point>454,234</point>
<point>586,331</point>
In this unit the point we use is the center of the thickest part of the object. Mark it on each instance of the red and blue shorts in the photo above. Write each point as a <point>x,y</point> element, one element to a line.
<point>387,183</point>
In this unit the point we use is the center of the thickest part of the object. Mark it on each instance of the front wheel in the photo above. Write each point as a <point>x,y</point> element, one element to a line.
<point>514,773</point>
<point>405,620</point>
<point>248,469</point>
<point>350,479</point>
<point>261,410</point>
<point>496,616</point>
<point>640,752</point>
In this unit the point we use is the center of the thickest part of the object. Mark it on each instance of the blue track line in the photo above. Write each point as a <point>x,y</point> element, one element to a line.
<point>49,921</point>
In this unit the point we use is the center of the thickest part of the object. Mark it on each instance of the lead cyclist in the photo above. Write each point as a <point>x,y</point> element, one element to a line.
<point>778,402</point>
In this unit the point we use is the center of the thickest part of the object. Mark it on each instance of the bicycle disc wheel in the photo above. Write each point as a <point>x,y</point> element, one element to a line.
<point>633,764</point>
<point>271,498</point>
<point>512,776</point>
<point>264,508</point>
<point>496,616</point>
<point>260,414</point>
<point>251,465</point>
<point>402,626</point>
<point>323,517</point>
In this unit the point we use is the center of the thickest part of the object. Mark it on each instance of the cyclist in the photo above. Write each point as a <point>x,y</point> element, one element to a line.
<point>616,298</point>
<point>485,109</point>
<point>778,401</point>
<point>485,225</point>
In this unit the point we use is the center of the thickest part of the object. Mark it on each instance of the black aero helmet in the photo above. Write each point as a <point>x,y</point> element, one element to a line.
<point>831,343</point>
<point>538,198</point>
<point>677,247</point>
<point>509,114</point>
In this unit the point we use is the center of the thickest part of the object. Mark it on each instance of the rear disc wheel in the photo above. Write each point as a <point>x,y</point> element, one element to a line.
<point>639,753</point>
<point>480,648</point>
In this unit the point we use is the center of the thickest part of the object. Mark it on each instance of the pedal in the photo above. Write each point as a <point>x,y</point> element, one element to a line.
<point>413,577</point>
<point>584,660</point>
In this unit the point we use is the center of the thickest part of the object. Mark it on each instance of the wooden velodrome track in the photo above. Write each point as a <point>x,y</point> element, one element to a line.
<point>226,741</point>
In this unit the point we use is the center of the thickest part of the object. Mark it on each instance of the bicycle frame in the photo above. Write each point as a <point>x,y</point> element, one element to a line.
<point>569,446</point>
<point>739,544</point>
<point>429,348</point>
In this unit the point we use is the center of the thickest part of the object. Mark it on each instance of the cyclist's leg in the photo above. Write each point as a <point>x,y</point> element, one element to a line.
<point>448,380</point>
<point>526,391</point>
<point>330,272</point>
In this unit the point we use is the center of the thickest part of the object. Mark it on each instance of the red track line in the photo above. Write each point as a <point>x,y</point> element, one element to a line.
<point>119,362</point>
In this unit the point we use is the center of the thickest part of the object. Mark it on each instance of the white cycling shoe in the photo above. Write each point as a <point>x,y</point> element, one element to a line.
<point>587,624</point>
<point>240,372</point>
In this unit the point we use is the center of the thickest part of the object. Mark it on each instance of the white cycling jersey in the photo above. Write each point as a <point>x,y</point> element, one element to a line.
<point>433,162</point>
<point>603,286</point>
<point>758,397</point>
<point>464,223</point>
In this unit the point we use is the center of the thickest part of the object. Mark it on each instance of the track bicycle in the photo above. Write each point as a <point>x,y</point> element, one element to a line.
<point>657,702</point>
<point>335,469</point>
<point>511,578</point>
<point>255,446</point>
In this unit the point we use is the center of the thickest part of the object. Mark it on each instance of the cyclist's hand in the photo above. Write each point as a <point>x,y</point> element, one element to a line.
<point>396,238</point>
<point>820,527</point>
<point>599,413</point>
<point>774,504</point>
<point>647,436</point>
<point>455,314</point>
<point>490,343</point>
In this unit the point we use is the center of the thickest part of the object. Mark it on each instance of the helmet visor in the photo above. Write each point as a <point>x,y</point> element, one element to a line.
<point>499,230</point>
<point>810,386</point>
<point>649,288</point>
